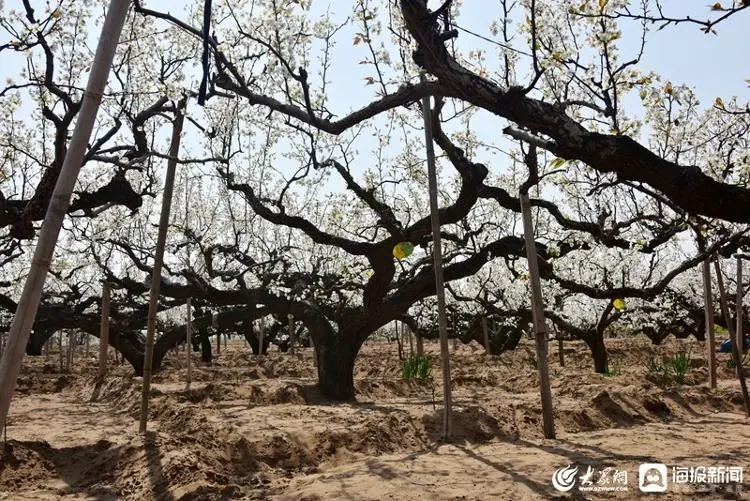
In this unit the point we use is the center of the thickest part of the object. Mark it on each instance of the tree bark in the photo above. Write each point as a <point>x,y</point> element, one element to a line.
<point>336,368</point>
<point>595,343</point>
<point>205,344</point>
<point>37,341</point>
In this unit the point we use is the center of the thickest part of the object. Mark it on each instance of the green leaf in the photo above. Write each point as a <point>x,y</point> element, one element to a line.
<point>402,250</point>
<point>557,163</point>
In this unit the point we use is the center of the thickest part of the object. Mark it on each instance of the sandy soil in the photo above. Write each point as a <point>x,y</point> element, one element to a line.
<point>256,428</point>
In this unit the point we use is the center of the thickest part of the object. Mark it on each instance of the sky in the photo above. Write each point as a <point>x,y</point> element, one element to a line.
<point>715,65</point>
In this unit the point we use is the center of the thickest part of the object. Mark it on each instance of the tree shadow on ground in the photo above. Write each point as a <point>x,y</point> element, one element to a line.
<point>89,470</point>
<point>159,484</point>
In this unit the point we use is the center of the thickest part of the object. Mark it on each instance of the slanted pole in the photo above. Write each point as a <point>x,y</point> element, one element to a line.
<point>537,306</point>
<point>188,339</point>
<point>215,321</point>
<point>104,330</point>
<point>292,336</point>
<point>166,204</point>
<point>20,329</point>
<point>438,265</point>
<point>486,334</point>
<point>736,349</point>
<point>261,336</point>
<point>708,311</point>
<point>739,330</point>
<point>407,330</point>
<point>71,348</point>
<point>62,352</point>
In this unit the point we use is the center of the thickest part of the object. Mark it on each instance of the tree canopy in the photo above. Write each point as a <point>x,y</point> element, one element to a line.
<point>287,205</point>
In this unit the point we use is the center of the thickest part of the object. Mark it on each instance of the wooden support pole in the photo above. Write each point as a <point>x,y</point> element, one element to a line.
<point>438,265</point>
<point>88,345</point>
<point>71,348</point>
<point>166,205</point>
<point>292,334</point>
<point>261,336</point>
<point>104,330</point>
<point>739,330</point>
<point>215,323</point>
<point>486,334</point>
<point>537,306</point>
<point>399,345</point>
<point>315,352</point>
<point>407,330</point>
<point>188,340</point>
<point>708,311</point>
<point>420,346</point>
<point>62,352</point>
<point>28,305</point>
<point>560,352</point>
<point>736,349</point>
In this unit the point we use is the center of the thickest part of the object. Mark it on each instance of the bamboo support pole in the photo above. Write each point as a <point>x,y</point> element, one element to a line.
<point>438,265</point>
<point>104,330</point>
<point>486,335</point>
<point>736,349</point>
<point>174,150</point>
<point>28,304</point>
<point>739,329</point>
<point>292,336</point>
<point>261,336</point>
<point>188,339</point>
<point>537,305</point>
<point>708,311</point>
<point>62,352</point>
<point>537,310</point>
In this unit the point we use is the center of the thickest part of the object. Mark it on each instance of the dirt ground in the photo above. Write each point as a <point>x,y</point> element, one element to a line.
<point>256,428</point>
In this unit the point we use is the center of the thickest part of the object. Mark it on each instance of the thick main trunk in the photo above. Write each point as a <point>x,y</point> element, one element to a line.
<point>336,367</point>
<point>205,342</point>
<point>36,342</point>
<point>130,349</point>
<point>595,343</point>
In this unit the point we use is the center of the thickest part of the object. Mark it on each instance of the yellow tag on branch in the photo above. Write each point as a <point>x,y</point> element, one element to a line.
<point>619,304</point>
<point>402,250</point>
